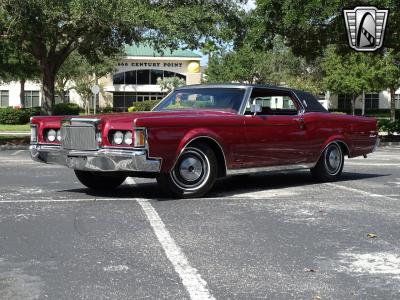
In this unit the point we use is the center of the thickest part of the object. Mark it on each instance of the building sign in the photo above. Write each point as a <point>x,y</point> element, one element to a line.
<point>151,64</point>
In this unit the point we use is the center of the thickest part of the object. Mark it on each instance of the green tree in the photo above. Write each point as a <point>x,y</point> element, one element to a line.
<point>170,83</point>
<point>350,73</point>
<point>79,74</point>
<point>277,66</point>
<point>50,30</point>
<point>309,26</point>
<point>16,65</point>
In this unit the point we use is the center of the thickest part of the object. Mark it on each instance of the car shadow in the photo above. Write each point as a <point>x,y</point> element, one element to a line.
<point>226,187</point>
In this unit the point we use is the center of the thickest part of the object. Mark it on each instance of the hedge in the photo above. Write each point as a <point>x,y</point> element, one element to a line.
<point>66,109</point>
<point>378,113</point>
<point>17,116</point>
<point>143,105</point>
<point>386,125</point>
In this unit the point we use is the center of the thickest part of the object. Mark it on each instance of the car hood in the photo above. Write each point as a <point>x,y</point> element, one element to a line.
<point>129,117</point>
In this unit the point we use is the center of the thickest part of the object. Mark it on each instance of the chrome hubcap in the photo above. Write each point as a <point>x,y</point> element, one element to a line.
<point>333,159</point>
<point>190,169</point>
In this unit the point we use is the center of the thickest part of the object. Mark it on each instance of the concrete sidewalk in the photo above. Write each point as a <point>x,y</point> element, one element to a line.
<point>15,133</point>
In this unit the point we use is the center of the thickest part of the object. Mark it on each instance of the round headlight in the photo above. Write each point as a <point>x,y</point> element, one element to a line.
<point>118,137</point>
<point>51,135</point>
<point>59,135</point>
<point>128,138</point>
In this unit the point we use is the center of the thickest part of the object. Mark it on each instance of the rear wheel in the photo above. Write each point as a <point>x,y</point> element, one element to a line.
<point>330,164</point>
<point>99,181</point>
<point>194,173</point>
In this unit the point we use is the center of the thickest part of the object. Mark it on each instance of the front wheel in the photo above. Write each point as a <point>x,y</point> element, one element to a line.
<point>99,181</point>
<point>330,164</point>
<point>194,173</point>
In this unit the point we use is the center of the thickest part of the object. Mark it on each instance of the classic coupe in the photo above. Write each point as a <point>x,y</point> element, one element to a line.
<point>200,133</point>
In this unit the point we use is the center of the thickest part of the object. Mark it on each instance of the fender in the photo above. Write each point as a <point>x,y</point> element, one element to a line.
<point>336,138</point>
<point>194,134</point>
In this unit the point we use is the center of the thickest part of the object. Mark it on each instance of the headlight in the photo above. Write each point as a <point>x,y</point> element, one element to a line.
<point>118,137</point>
<point>128,138</point>
<point>33,134</point>
<point>51,135</point>
<point>59,135</point>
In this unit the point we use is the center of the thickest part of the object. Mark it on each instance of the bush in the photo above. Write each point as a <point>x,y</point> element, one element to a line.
<point>17,116</point>
<point>143,105</point>
<point>384,125</point>
<point>67,109</point>
<point>107,110</point>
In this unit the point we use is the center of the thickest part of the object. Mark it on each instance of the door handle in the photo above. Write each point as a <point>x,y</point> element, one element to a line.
<point>300,121</point>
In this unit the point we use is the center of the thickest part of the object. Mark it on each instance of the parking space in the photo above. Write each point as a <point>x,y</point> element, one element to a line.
<point>275,236</point>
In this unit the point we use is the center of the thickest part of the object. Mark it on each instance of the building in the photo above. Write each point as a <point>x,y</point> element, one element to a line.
<point>135,79</point>
<point>373,101</point>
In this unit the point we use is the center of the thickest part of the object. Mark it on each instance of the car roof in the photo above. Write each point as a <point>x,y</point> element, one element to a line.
<point>308,101</point>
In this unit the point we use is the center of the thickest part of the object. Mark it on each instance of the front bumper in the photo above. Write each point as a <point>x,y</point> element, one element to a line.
<point>103,160</point>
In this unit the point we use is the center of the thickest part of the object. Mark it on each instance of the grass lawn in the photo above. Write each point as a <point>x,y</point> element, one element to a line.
<point>14,128</point>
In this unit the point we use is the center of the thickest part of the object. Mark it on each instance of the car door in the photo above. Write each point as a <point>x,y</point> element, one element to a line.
<point>278,134</point>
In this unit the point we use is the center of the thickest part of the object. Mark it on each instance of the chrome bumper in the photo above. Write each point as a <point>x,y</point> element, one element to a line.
<point>104,160</point>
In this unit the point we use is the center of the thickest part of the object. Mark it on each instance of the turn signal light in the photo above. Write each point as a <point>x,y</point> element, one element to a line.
<point>139,137</point>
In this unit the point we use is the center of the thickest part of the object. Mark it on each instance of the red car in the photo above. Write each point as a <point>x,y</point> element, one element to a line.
<point>203,132</point>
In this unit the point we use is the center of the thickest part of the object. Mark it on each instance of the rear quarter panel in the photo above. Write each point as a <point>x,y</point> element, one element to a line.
<point>358,133</point>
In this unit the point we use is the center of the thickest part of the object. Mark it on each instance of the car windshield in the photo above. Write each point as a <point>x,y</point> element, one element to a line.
<point>228,99</point>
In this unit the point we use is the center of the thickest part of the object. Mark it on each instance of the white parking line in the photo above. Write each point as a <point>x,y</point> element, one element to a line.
<point>365,193</point>
<point>17,152</point>
<point>67,200</point>
<point>191,279</point>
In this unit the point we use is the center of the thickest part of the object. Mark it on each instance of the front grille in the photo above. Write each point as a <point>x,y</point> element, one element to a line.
<point>81,136</point>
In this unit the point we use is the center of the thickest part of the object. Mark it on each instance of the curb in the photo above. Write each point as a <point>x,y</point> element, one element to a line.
<point>388,144</point>
<point>14,147</point>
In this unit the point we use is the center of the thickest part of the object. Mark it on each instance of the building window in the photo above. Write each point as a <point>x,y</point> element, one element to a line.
<point>344,102</point>
<point>130,77</point>
<point>397,101</point>
<point>372,101</point>
<point>4,99</point>
<point>31,99</point>
<point>154,75</point>
<point>145,77</point>
<point>58,99</point>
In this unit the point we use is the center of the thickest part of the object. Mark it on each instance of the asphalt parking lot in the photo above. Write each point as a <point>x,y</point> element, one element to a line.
<point>273,236</point>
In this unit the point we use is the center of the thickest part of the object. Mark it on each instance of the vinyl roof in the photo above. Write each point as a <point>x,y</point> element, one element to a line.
<point>149,51</point>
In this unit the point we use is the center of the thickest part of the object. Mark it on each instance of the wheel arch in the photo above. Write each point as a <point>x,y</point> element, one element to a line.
<point>342,144</point>
<point>214,144</point>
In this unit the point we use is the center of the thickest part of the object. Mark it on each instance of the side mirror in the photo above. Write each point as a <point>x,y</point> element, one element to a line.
<point>255,108</point>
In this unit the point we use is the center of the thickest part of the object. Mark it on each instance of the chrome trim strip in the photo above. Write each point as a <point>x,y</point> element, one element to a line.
<point>270,169</point>
<point>246,99</point>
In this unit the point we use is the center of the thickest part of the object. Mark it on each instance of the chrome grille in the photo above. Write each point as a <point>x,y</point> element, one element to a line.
<point>81,136</point>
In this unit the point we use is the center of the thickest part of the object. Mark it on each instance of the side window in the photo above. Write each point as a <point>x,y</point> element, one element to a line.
<point>272,102</point>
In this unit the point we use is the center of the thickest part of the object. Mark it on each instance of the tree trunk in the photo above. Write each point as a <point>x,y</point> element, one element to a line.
<point>22,92</point>
<point>392,104</point>
<point>48,79</point>
<point>353,105</point>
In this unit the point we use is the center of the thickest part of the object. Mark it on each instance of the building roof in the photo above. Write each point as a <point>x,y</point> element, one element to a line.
<point>149,51</point>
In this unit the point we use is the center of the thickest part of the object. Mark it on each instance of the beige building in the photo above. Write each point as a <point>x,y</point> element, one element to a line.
<point>135,79</point>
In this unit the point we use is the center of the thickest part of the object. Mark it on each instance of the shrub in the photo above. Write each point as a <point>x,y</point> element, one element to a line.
<point>107,110</point>
<point>17,116</point>
<point>143,105</point>
<point>385,125</point>
<point>68,109</point>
